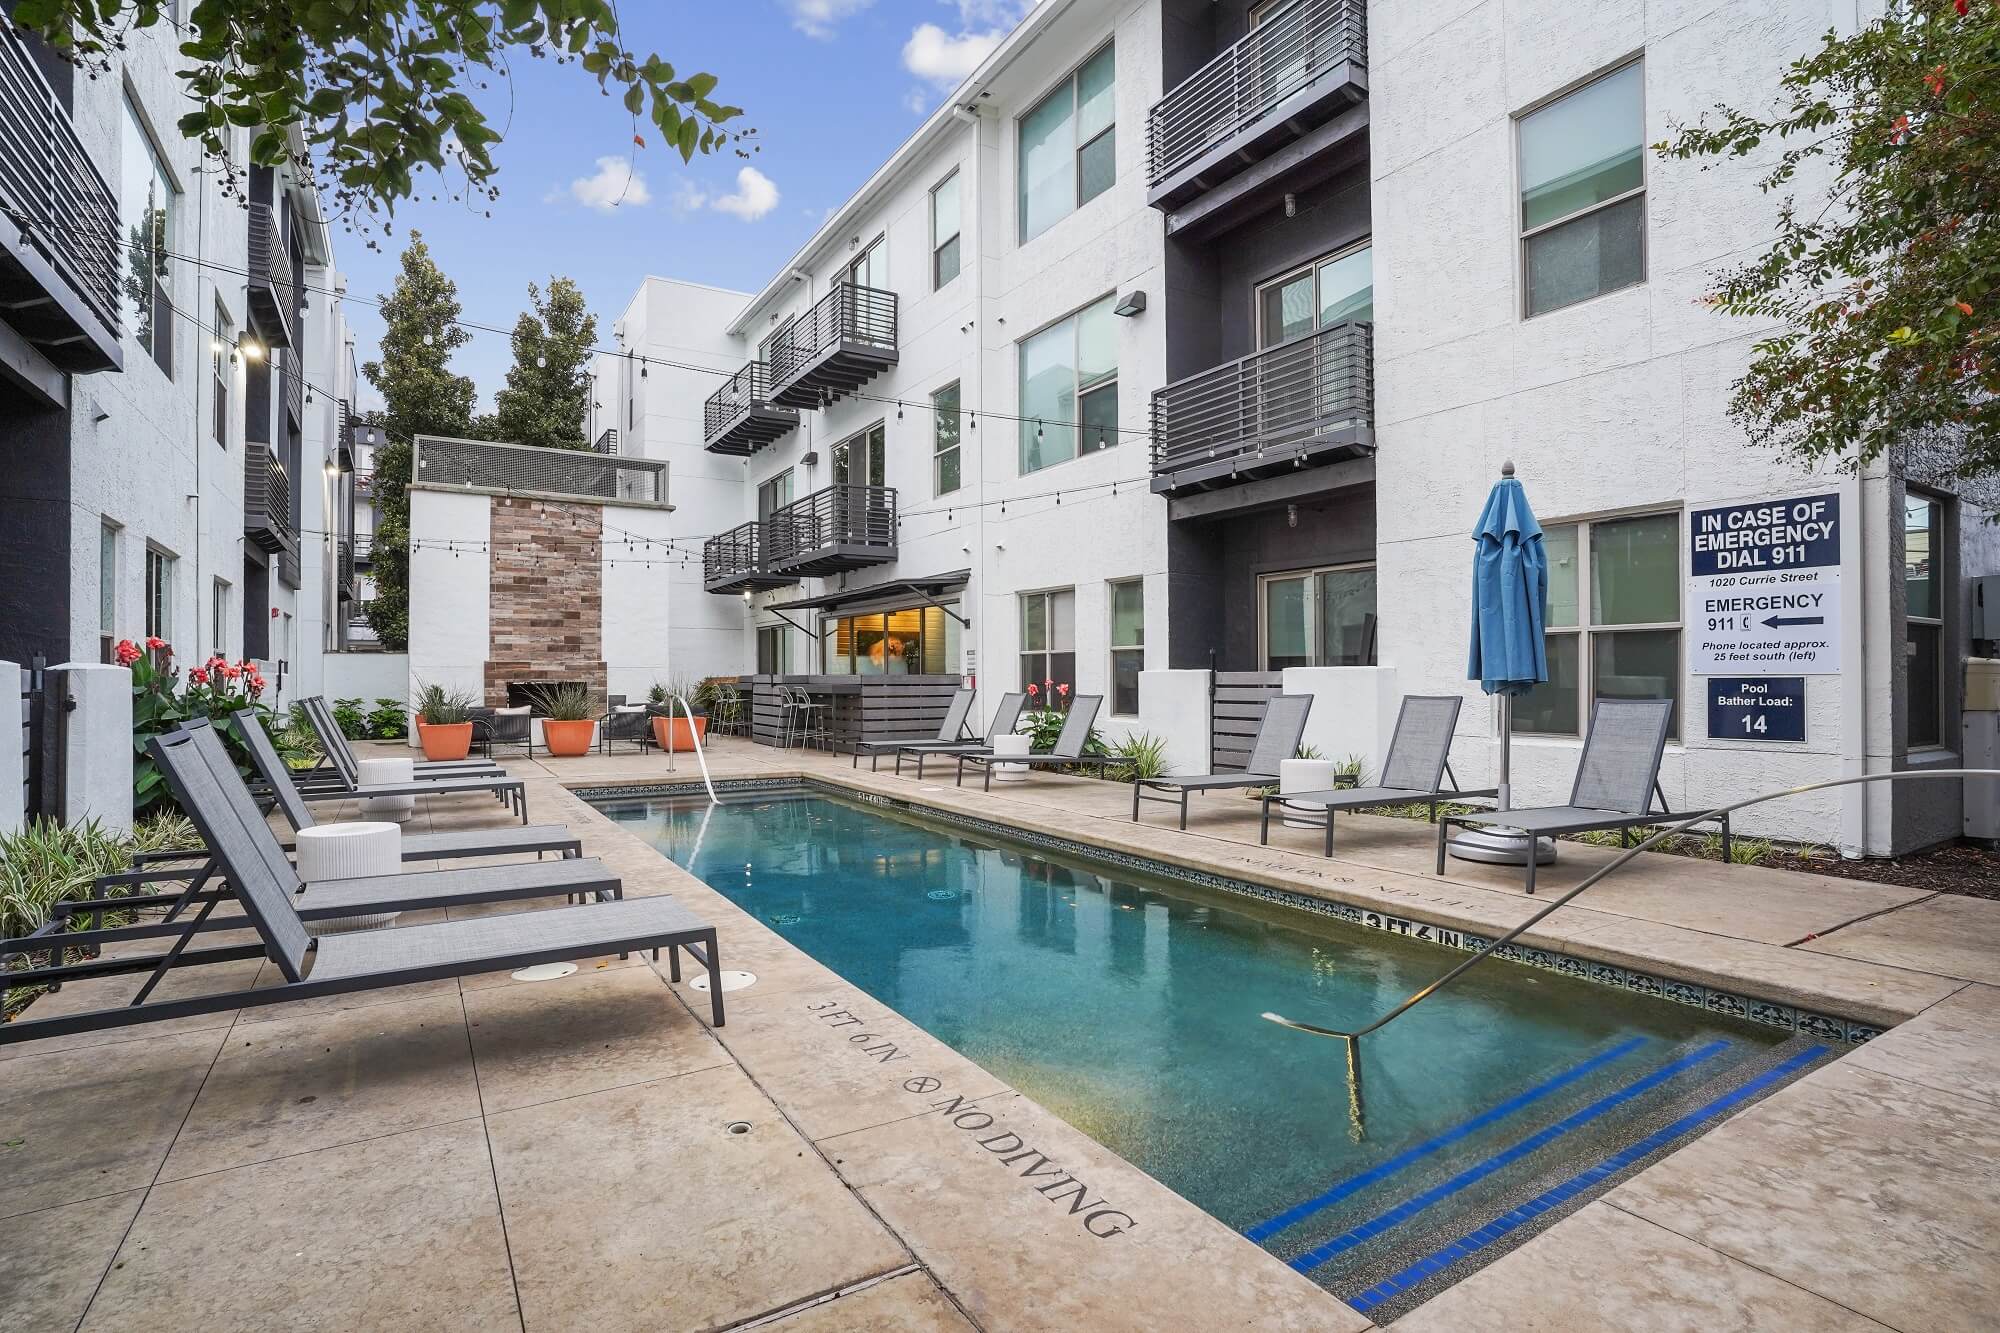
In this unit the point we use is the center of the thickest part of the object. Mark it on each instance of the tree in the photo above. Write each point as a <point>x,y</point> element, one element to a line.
<point>548,386</point>
<point>1888,289</point>
<point>377,91</point>
<point>420,396</point>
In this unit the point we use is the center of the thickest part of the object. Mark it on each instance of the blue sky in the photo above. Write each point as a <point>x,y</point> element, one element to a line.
<point>832,87</point>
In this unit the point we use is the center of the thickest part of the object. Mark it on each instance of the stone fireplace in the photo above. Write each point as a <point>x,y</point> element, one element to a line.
<point>545,617</point>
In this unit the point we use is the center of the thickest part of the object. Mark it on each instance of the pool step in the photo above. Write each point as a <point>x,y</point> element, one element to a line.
<point>1390,1237</point>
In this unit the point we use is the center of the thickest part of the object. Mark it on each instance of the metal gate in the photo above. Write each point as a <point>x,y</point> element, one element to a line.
<point>1236,702</point>
<point>44,716</point>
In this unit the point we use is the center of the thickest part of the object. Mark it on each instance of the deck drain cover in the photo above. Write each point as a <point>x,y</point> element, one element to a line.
<point>738,1127</point>
<point>730,981</point>
<point>545,972</point>
<point>942,895</point>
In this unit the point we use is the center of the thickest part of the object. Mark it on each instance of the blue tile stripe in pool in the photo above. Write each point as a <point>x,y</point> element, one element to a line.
<point>1301,1211</point>
<point>1409,1208</point>
<point>1473,1241</point>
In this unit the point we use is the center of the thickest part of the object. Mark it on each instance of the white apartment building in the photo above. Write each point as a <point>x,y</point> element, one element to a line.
<point>1295,279</point>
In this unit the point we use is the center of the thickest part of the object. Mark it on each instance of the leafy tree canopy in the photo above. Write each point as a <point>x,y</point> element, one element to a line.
<point>1887,283</point>
<point>378,91</point>
<point>548,386</point>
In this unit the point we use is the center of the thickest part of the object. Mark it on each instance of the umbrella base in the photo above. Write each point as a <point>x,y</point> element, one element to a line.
<point>1501,847</point>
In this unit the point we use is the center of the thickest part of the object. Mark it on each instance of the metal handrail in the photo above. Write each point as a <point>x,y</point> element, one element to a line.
<point>739,393</point>
<point>731,553</point>
<point>693,731</point>
<point>843,514</point>
<point>1283,395</point>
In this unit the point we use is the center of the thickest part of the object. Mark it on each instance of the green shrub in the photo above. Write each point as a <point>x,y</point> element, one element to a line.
<point>389,720</point>
<point>567,703</point>
<point>440,707</point>
<point>349,717</point>
<point>1146,753</point>
<point>165,831</point>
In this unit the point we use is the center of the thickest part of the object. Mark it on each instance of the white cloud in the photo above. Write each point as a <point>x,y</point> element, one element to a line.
<point>990,13</point>
<point>754,197</point>
<point>687,198</point>
<point>818,18</point>
<point>936,55</point>
<point>918,100</point>
<point>617,182</point>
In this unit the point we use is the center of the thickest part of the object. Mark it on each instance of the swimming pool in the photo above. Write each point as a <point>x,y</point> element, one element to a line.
<point>1129,1006</point>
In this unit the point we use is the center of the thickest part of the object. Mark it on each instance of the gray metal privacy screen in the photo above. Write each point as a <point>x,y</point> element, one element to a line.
<point>1236,711</point>
<point>479,465</point>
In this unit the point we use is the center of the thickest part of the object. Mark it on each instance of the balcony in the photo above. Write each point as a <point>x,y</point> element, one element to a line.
<point>267,500</point>
<point>1289,75</point>
<point>520,469</point>
<point>291,384</point>
<point>273,302</point>
<point>344,567</point>
<point>835,529</point>
<point>834,348</point>
<point>732,562</point>
<point>60,237</point>
<point>1299,404</point>
<point>740,418</point>
<point>607,441</point>
<point>344,437</point>
<point>364,552</point>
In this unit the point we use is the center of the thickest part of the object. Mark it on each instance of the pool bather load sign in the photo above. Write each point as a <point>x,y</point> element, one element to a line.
<point>1764,588</point>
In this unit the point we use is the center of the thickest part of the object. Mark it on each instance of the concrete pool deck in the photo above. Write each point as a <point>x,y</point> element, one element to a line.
<point>489,1153</point>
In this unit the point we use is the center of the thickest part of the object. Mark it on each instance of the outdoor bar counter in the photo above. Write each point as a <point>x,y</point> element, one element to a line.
<point>864,707</point>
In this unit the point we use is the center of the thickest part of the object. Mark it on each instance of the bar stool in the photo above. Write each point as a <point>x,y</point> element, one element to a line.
<point>725,716</point>
<point>805,718</point>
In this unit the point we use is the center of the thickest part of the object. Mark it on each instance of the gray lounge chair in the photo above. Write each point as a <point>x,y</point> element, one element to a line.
<point>1005,718</point>
<point>338,963</point>
<point>1278,734</point>
<point>1068,749</point>
<point>1616,780</point>
<point>951,731</point>
<point>346,776</point>
<point>1419,760</point>
<point>501,841</point>
<point>348,766</point>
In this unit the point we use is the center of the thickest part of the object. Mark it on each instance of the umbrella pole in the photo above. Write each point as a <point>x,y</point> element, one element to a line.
<point>1506,752</point>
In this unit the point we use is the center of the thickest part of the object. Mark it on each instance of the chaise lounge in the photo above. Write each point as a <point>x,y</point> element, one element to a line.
<point>1068,749</point>
<point>951,731</point>
<point>1278,734</point>
<point>1005,718</point>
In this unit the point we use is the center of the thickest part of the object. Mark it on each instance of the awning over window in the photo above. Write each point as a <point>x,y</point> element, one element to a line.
<point>895,592</point>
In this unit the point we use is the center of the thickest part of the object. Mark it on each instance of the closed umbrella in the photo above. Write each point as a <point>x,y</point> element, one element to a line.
<point>1510,598</point>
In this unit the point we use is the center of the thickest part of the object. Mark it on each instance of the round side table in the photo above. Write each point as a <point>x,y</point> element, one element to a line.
<point>349,851</point>
<point>388,773</point>
<point>1010,745</point>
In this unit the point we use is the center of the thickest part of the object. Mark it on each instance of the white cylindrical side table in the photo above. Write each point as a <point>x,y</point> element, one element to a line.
<point>349,851</point>
<point>1010,744</point>
<point>388,773</point>
<point>1297,775</point>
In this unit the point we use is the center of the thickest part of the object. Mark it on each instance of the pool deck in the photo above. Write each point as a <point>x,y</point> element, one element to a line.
<point>488,1153</point>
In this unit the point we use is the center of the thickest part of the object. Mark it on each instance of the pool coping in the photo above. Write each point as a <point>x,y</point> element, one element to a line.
<point>1817,1022</point>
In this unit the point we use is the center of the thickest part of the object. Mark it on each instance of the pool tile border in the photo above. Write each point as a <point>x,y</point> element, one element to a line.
<point>1765,1013</point>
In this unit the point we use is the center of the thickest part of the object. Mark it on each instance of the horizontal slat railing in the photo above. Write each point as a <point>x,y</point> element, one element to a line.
<point>1282,396</point>
<point>847,314</point>
<point>730,554</point>
<point>1271,62</point>
<point>832,517</point>
<point>741,391</point>
<point>271,266</point>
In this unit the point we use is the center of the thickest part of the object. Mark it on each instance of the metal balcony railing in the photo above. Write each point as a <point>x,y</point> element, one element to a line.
<point>607,441</point>
<point>839,527</point>
<point>267,499</point>
<point>735,561</point>
<point>842,342</point>
<point>292,385</point>
<point>521,468</point>
<point>61,204</point>
<point>1285,52</point>
<point>344,565</point>
<point>741,416</point>
<point>273,301</point>
<point>1277,407</point>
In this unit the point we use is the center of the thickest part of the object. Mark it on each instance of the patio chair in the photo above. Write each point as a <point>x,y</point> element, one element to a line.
<point>623,722</point>
<point>1068,749</point>
<point>504,840</point>
<point>1419,760</point>
<point>1278,733</point>
<point>347,766</point>
<point>504,726</point>
<point>1617,778</point>
<point>949,732</point>
<point>336,962</point>
<point>1005,718</point>
<point>346,782</point>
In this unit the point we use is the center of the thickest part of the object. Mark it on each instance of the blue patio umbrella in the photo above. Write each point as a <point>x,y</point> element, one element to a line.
<point>1510,600</point>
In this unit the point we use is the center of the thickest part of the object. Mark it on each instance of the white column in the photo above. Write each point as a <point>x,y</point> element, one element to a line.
<point>97,745</point>
<point>13,741</point>
<point>1174,705</point>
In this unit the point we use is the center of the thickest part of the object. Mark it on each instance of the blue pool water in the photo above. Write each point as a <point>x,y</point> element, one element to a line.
<point>1129,1006</point>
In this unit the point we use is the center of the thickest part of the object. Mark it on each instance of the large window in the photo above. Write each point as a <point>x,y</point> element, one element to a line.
<point>1068,146</point>
<point>944,231</point>
<point>1623,639</point>
<point>221,360</point>
<point>159,593</point>
<point>945,438</point>
<point>774,495</point>
<point>1923,617</point>
<point>774,650</point>
<point>862,460</point>
<point>1334,290</point>
<point>1069,387</point>
<point>1048,643</point>
<point>218,618</point>
<point>905,641</point>
<point>146,211</point>
<point>1583,192</point>
<point>107,588</point>
<point>870,268</point>
<point>1128,645</point>
<point>1318,617</point>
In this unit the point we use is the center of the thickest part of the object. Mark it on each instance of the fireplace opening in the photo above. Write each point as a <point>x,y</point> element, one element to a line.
<point>531,692</point>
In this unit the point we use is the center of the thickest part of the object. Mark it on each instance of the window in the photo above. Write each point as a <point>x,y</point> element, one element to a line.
<point>1623,640</point>
<point>1068,146</point>
<point>221,355</point>
<point>107,588</point>
<point>945,437</point>
<point>870,268</point>
<point>1923,619</point>
<point>1069,388</point>
<point>1583,192</point>
<point>774,495</point>
<point>863,459</point>
<point>944,231</point>
<point>774,650</point>
<point>1334,290</point>
<point>1048,642</point>
<point>1128,645</point>
<point>146,212</point>
<point>159,594</point>
<point>218,618</point>
<point>771,338</point>
<point>1318,617</point>
<point>904,641</point>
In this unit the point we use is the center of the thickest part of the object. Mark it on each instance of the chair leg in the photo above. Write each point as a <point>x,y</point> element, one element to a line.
<point>714,981</point>
<point>673,962</point>
<point>1534,848</point>
<point>1264,823</point>
<point>961,770</point>
<point>1184,801</point>
<point>1135,800</point>
<point>988,784</point>
<point>1329,830</point>
<point>1444,829</point>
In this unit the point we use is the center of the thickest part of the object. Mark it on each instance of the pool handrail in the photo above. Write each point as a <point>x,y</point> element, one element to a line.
<point>694,732</point>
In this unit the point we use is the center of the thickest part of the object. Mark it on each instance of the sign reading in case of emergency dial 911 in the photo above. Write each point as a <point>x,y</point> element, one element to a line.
<point>1764,588</point>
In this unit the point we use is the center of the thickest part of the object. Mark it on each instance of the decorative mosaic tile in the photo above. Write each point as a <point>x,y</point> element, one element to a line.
<point>1722,1002</point>
<point>1683,992</point>
<point>1773,1015</point>
<point>1859,1032</point>
<point>1819,1025</point>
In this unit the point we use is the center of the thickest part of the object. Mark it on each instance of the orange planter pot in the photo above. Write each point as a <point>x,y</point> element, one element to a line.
<point>673,734</point>
<point>566,740</point>
<point>447,740</point>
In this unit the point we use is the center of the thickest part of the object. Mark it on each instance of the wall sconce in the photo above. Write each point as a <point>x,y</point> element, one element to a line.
<point>1130,304</point>
<point>249,348</point>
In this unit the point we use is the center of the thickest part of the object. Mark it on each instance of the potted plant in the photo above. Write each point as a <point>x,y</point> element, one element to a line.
<point>444,722</point>
<point>569,721</point>
<point>670,725</point>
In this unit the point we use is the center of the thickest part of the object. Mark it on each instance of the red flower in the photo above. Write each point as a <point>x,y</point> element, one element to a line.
<point>1964,309</point>
<point>1063,690</point>
<point>198,676</point>
<point>256,684</point>
<point>232,672</point>
<point>1935,80</point>
<point>127,652</point>
<point>154,641</point>
<point>1032,691</point>
<point>1961,6</point>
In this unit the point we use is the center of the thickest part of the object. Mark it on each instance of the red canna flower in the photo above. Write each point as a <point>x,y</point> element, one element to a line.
<point>1032,690</point>
<point>232,672</point>
<point>127,652</point>
<point>1063,690</point>
<point>199,676</point>
<point>155,642</point>
<point>1963,308</point>
<point>1962,6</point>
